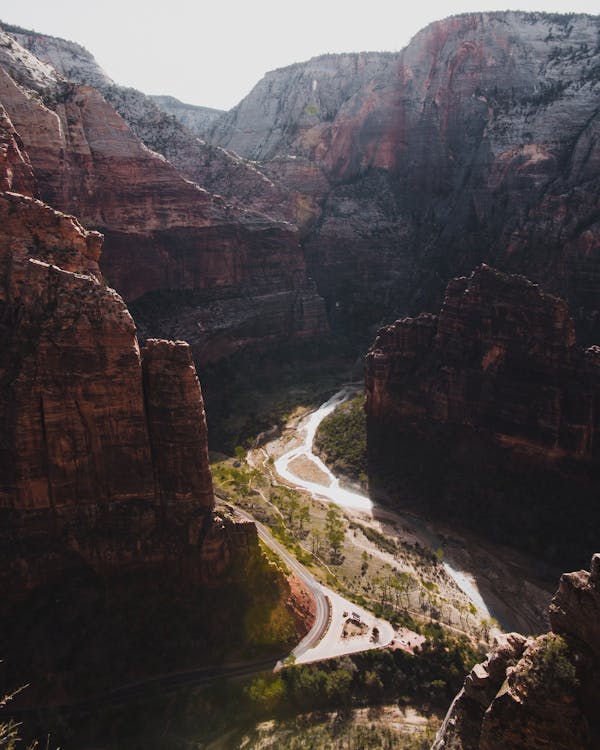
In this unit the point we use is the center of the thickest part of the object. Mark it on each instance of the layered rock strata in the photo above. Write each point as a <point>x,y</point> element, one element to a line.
<point>491,409</point>
<point>114,562</point>
<point>103,450</point>
<point>536,693</point>
<point>163,232</point>
<point>477,142</point>
<point>171,128</point>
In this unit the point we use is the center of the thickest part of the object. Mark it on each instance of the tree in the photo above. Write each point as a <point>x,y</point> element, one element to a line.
<point>334,531</point>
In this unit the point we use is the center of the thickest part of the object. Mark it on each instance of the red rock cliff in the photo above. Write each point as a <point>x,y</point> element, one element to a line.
<point>533,694</point>
<point>164,234</point>
<point>495,385</point>
<point>107,450</point>
<point>476,142</point>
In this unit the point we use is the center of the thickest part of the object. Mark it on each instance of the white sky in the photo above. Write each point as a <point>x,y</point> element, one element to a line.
<point>212,53</point>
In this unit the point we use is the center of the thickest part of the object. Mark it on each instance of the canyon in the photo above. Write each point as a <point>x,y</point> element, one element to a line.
<point>143,241</point>
<point>487,414</point>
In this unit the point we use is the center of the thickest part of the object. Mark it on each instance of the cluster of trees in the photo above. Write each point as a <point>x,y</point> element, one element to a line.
<point>431,677</point>
<point>342,440</point>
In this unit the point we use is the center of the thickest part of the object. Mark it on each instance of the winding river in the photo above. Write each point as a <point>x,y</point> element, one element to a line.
<point>333,492</point>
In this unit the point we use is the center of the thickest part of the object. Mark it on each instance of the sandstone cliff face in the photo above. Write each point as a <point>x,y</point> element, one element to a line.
<point>536,693</point>
<point>477,142</point>
<point>291,108</point>
<point>114,562</point>
<point>103,455</point>
<point>171,129</point>
<point>494,386</point>
<point>15,167</point>
<point>162,231</point>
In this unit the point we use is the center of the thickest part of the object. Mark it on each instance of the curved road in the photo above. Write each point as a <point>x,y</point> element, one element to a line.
<point>319,627</point>
<point>333,492</point>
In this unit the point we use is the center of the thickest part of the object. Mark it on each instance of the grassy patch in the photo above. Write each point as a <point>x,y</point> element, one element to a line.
<point>341,440</point>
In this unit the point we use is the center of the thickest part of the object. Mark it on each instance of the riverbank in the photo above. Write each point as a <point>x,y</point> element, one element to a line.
<point>496,581</point>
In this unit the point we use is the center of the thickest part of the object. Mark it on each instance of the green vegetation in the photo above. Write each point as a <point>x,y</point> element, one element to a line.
<point>342,440</point>
<point>341,697</point>
<point>335,531</point>
<point>243,401</point>
<point>552,672</point>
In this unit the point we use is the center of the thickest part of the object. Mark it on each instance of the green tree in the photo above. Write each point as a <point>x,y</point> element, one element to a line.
<point>334,531</point>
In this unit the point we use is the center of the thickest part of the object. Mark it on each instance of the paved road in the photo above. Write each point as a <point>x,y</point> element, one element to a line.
<point>322,618</point>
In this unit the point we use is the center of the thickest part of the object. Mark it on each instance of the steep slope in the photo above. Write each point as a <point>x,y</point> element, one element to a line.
<point>290,109</point>
<point>488,414</point>
<point>163,233</point>
<point>82,438</point>
<point>195,118</point>
<point>159,123</point>
<point>115,564</point>
<point>477,142</point>
<point>537,693</point>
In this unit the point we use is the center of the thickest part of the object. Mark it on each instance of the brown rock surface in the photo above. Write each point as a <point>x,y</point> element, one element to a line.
<point>477,142</point>
<point>163,232</point>
<point>15,169</point>
<point>177,424</point>
<point>114,563</point>
<point>539,693</point>
<point>91,440</point>
<point>493,387</point>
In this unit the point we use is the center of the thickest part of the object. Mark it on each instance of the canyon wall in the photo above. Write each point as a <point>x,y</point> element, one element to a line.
<point>477,142</point>
<point>488,414</point>
<point>164,235</point>
<point>115,563</point>
<point>170,128</point>
<point>536,693</point>
<point>104,449</point>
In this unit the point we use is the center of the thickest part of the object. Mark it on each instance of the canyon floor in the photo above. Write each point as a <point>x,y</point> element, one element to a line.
<point>496,585</point>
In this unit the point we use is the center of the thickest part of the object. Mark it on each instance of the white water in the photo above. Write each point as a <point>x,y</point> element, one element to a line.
<point>332,492</point>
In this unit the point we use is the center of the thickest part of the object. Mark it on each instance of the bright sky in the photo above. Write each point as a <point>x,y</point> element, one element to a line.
<point>212,53</point>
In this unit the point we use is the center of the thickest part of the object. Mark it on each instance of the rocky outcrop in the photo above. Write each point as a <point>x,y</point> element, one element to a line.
<point>93,439</point>
<point>536,693</point>
<point>114,562</point>
<point>162,231</point>
<point>176,424</point>
<point>477,142</point>
<point>498,397</point>
<point>196,119</point>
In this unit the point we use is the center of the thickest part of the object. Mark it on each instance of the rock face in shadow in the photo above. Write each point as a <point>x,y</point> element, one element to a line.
<point>94,436</point>
<point>115,563</point>
<point>477,142</point>
<point>164,235</point>
<point>488,414</point>
<point>533,694</point>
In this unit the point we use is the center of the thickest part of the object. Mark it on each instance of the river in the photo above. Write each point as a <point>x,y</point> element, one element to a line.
<point>333,492</point>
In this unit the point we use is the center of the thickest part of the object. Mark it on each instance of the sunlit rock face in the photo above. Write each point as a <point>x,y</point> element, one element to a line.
<point>477,142</point>
<point>163,233</point>
<point>487,413</point>
<point>538,693</point>
<point>172,129</point>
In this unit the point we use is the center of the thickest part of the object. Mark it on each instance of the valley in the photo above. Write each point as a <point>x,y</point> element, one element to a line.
<point>300,401</point>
